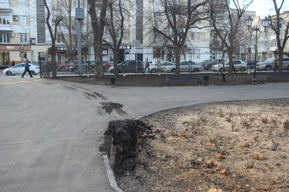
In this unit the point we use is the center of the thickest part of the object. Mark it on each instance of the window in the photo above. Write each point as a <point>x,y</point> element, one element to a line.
<point>22,3</point>
<point>195,36</point>
<point>157,52</point>
<point>22,20</point>
<point>192,36</point>
<point>4,19</point>
<point>4,38</point>
<point>23,38</point>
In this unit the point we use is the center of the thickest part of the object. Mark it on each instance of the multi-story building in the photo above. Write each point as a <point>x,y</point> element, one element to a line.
<point>14,31</point>
<point>266,38</point>
<point>24,33</point>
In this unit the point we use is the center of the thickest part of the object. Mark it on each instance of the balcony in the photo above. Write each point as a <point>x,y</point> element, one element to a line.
<point>6,28</point>
<point>5,7</point>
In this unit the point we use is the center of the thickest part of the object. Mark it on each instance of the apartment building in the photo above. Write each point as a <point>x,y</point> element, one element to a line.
<point>24,33</point>
<point>267,40</point>
<point>14,31</point>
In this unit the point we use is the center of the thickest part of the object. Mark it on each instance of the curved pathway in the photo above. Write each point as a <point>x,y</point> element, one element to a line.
<point>51,130</point>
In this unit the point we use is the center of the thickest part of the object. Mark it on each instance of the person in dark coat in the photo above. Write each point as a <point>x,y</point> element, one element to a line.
<point>147,66</point>
<point>27,65</point>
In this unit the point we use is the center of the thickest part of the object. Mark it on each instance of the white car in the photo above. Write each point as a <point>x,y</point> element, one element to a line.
<point>19,69</point>
<point>185,66</point>
<point>268,65</point>
<point>160,67</point>
<point>239,65</point>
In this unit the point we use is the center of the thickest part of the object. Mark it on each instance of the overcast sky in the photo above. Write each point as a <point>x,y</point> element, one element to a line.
<point>266,7</point>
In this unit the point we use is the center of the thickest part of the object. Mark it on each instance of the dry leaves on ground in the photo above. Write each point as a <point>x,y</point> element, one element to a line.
<point>227,146</point>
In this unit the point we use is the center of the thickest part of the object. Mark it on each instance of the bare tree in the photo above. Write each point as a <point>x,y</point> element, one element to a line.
<point>226,23</point>
<point>281,39</point>
<point>67,31</point>
<point>179,19</point>
<point>97,24</point>
<point>53,35</point>
<point>115,28</point>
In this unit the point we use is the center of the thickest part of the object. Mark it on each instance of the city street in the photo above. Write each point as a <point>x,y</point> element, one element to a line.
<point>51,130</point>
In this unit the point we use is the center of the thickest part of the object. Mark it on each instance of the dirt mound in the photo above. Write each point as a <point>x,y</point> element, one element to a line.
<point>122,141</point>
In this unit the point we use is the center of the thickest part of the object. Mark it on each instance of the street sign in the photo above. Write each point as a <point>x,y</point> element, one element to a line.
<point>21,49</point>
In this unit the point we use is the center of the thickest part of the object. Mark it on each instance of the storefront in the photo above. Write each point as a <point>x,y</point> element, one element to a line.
<point>10,53</point>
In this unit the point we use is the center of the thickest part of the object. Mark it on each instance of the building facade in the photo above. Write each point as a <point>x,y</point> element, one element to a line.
<point>24,34</point>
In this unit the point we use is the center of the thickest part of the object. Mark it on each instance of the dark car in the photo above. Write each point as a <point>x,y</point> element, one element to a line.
<point>129,66</point>
<point>251,63</point>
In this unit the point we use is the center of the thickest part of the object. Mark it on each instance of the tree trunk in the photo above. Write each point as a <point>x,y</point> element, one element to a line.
<point>178,58</point>
<point>53,65</point>
<point>98,59</point>
<point>280,62</point>
<point>231,63</point>
<point>97,24</point>
<point>115,58</point>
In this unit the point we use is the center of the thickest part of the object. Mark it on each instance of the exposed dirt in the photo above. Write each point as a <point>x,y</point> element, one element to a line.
<point>227,146</point>
<point>155,80</point>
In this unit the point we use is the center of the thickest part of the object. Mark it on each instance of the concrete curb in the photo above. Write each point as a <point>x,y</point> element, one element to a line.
<point>198,103</point>
<point>110,174</point>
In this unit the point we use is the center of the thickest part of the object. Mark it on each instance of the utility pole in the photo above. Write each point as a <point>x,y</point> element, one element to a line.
<point>79,15</point>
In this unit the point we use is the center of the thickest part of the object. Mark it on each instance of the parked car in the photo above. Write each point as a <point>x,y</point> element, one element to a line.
<point>85,66</point>
<point>251,63</point>
<point>67,66</point>
<point>239,65</point>
<point>90,65</point>
<point>268,65</point>
<point>106,65</point>
<point>185,66</point>
<point>207,64</point>
<point>129,66</point>
<point>43,63</point>
<point>19,69</point>
<point>160,67</point>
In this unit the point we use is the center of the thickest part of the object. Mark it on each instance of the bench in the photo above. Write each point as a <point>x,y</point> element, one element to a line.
<point>183,78</point>
<point>277,76</point>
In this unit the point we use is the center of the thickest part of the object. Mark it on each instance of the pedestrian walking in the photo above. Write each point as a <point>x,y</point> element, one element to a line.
<point>147,66</point>
<point>26,66</point>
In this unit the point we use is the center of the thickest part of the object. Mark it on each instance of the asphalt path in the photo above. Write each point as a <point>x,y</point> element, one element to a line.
<point>51,130</point>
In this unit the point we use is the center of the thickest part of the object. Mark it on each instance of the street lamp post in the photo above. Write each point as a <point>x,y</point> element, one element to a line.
<point>265,23</point>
